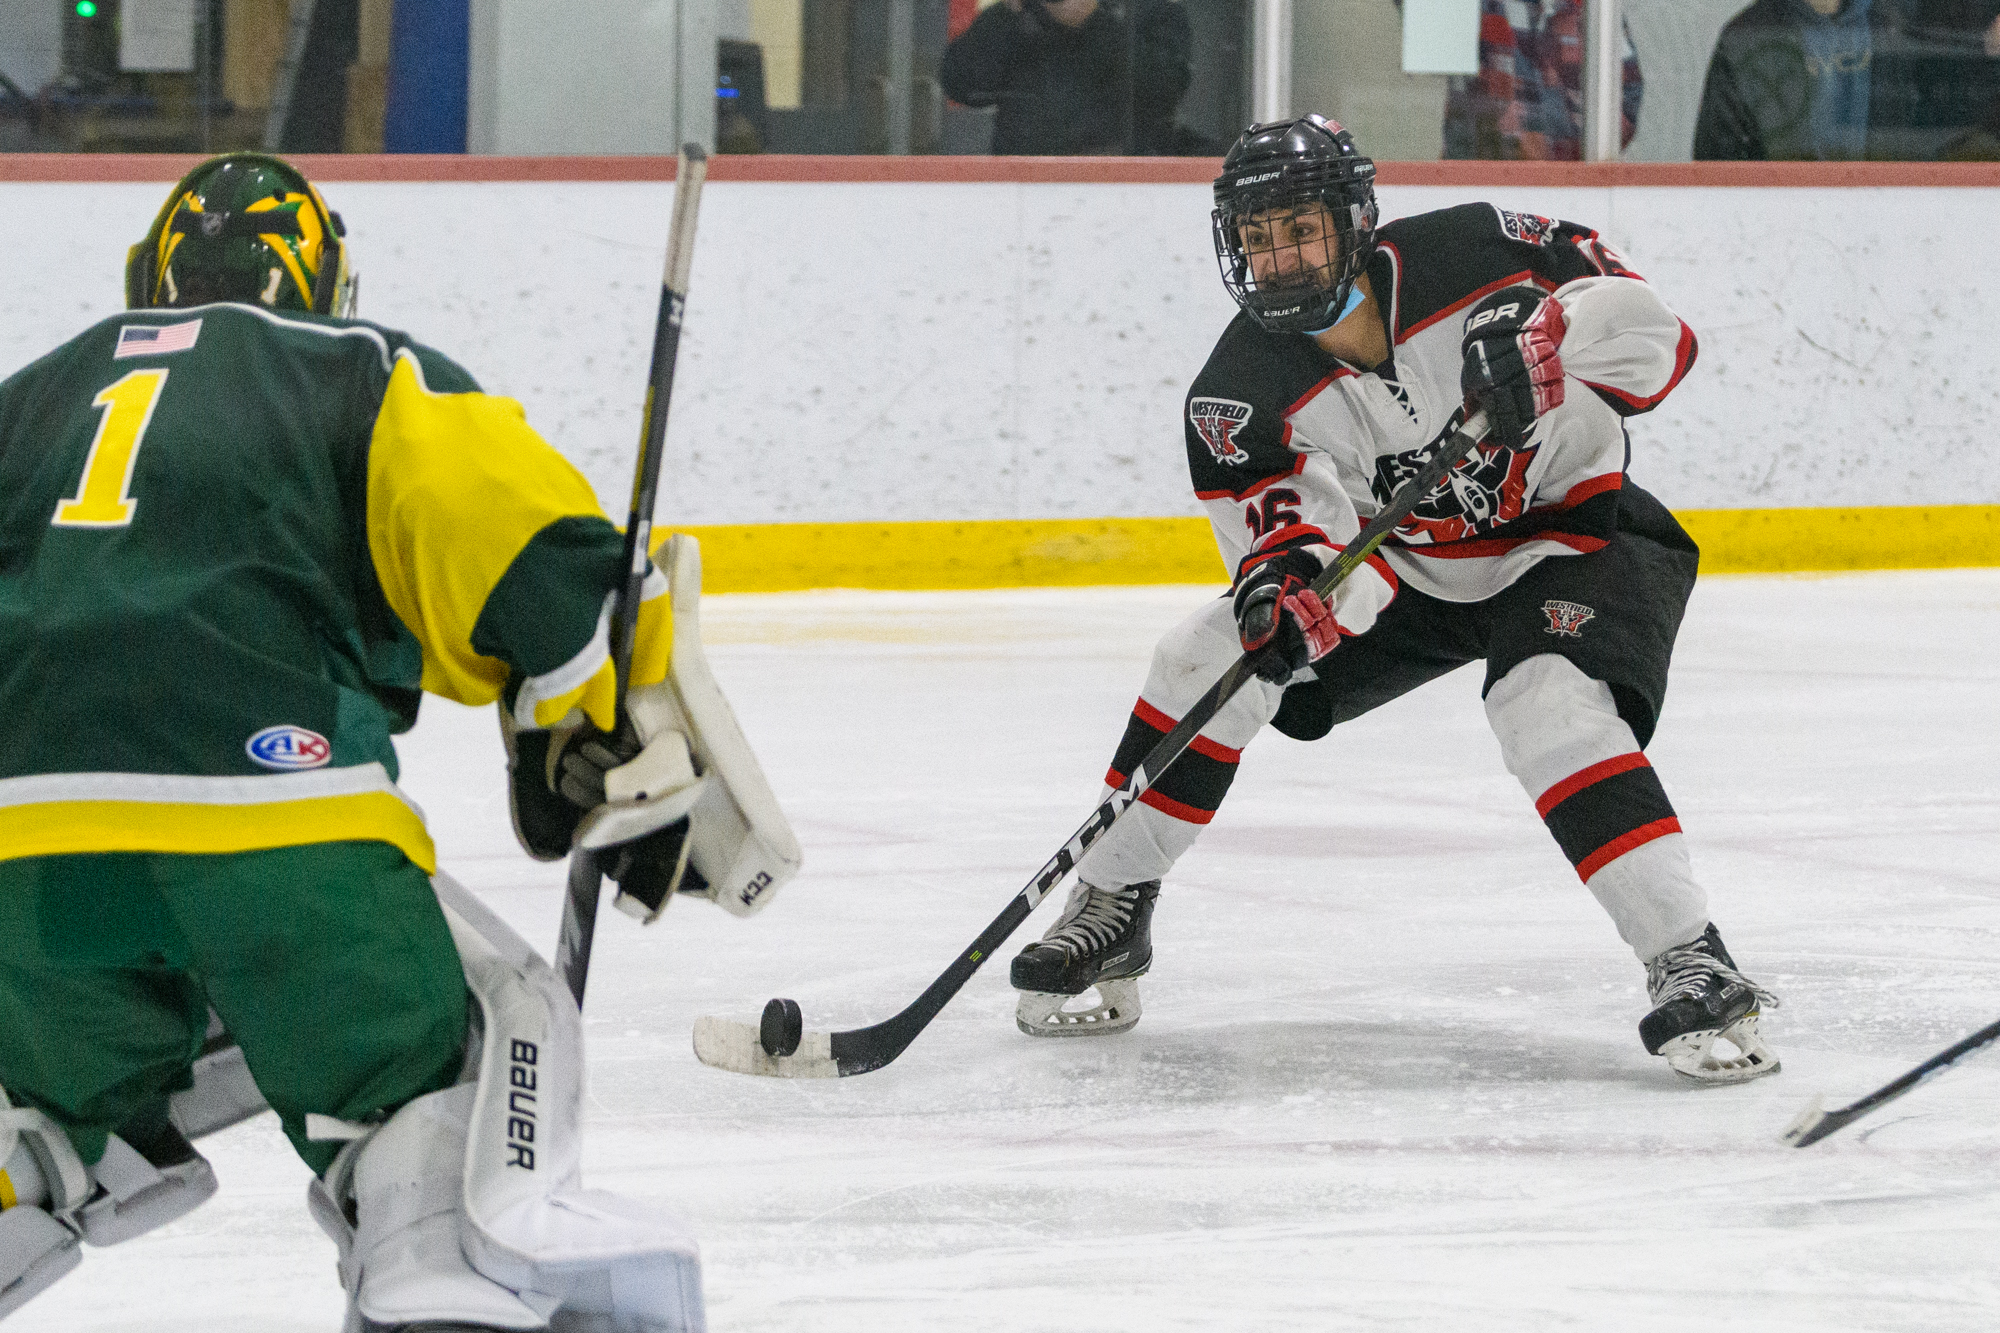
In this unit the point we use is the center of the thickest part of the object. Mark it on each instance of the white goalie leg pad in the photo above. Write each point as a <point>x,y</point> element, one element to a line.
<point>123,1196</point>
<point>35,1252</point>
<point>401,1261</point>
<point>739,840</point>
<point>223,1094</point>
<point>42,1168</point>
<point>35,1249</point>
<point>134,1196</point>
<point>51,1203</point>
<point>601,1263</point>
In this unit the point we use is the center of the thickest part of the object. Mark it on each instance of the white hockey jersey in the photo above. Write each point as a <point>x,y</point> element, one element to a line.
<point>1292,449</point>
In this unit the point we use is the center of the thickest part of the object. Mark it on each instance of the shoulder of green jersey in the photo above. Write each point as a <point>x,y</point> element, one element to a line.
<point>440,366</point>
<point>341,330</point>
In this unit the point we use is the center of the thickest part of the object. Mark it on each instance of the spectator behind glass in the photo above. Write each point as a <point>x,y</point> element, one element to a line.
<point>1057,71</point>
<point>1526,102</point>
<point>1791,79</point>
<point>1972,26</point>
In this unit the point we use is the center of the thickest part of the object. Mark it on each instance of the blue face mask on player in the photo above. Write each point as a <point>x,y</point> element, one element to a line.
<point>1353,303</point>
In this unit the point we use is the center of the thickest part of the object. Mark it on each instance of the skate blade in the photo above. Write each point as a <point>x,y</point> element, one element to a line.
<point>1041,1014</point>
<point>1693,1055</point>
<point>725,1044</point>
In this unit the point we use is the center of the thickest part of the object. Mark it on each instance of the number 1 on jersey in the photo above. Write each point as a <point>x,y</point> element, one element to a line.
<point>103,498</point>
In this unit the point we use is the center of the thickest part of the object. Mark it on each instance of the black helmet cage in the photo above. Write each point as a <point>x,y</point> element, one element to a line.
<point>1275,169</point>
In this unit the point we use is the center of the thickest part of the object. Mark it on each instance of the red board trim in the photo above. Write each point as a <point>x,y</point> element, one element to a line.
<point>166,168</point>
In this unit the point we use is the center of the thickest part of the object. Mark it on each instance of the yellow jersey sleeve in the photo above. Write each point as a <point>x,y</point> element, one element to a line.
<point>492,550</point>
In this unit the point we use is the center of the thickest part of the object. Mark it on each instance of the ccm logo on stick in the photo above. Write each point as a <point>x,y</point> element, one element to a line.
<point>522,1056</point>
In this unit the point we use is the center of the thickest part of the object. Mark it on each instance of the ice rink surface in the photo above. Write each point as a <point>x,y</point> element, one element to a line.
<point>1388,1075</point>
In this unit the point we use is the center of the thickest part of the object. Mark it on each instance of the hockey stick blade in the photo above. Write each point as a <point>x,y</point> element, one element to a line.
<point>1815,1123</point>
<point>722,1043</point>
<point>738,1047</point>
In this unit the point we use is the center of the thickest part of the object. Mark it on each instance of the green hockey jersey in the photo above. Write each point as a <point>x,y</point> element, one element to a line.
<point>234,546</point>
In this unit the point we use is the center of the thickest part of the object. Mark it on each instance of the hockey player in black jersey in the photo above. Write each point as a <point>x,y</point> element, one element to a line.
<point>1356,353</point>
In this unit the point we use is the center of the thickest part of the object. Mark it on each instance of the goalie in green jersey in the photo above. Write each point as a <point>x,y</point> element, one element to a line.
<point>240,533</point>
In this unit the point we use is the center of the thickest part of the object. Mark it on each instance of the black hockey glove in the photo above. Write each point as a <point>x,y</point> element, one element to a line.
<point>647,868</point>
<point>1275,603</point>
<point>651,868</point>
<point>544,822</point>
<point>1511,364</point>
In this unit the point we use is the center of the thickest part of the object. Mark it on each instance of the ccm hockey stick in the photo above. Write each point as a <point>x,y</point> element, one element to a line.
<point>586,872</point>
<point>1815,1122</point>
<point>778,1047</point>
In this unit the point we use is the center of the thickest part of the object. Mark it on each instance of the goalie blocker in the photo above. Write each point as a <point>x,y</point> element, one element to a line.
<point>693,804</point>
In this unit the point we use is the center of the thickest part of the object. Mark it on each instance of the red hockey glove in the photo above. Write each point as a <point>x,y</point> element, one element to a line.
<point>1511,364</point>
<point>1274,606</point>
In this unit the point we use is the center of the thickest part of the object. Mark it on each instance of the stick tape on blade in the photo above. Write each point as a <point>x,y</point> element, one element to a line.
<point>737,1047</point>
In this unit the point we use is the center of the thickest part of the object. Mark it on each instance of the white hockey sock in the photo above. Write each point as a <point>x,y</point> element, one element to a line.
<point>1561,735</point>
<point>1147,840</point>
<point>1651,895</point>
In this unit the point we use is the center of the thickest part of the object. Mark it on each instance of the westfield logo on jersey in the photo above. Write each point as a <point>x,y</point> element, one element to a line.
<point>1567,618</point>
<point>1489,487</point>
<point>1529,227</point>
<point>1217,420</point>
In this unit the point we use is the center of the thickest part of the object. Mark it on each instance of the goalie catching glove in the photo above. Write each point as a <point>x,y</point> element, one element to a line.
<point>679,805</point>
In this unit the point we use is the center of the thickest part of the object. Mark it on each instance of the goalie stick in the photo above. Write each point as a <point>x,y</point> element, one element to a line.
<point>1815,1123</point>
<point>790,1052</point>
<point>586,871</point>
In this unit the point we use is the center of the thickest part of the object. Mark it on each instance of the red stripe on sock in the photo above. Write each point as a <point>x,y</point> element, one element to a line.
<point>1167,805</point>
<point>1618,846</point>
<point>1220,753</point>
<point>1585,777</point>
<point>1160,722</point>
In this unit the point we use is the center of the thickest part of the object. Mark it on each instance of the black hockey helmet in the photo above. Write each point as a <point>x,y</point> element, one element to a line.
<point>1272,172</point>
<point>243,227</point>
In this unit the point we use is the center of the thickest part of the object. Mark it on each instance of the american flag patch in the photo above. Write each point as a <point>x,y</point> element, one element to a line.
<point>155,339</point>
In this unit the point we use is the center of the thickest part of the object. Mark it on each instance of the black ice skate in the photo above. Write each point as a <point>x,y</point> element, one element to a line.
<point>1103,939</point>
<point>1699,998</point>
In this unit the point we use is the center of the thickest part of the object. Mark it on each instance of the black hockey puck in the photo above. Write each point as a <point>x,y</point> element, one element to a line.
<point>782,1028</point>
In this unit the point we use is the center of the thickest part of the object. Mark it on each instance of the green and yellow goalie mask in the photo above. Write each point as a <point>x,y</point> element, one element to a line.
<point>243,227</point>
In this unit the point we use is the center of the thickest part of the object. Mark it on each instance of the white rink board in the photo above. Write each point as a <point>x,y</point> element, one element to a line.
<point>1388,1076</point>
<point>992,351</point>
